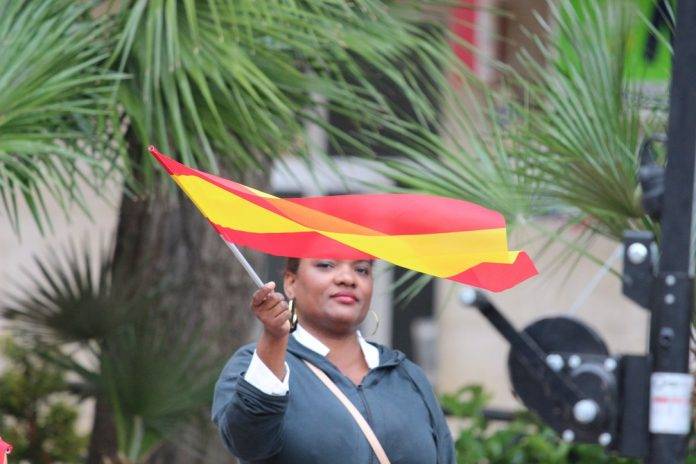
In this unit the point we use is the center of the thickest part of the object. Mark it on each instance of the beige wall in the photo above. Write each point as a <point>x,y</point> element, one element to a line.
<point>16,251</point>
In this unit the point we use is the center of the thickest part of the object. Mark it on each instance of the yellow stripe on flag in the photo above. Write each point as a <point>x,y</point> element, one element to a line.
<point>228,210</point>
<point>440,254</point>
<point>208,197</point>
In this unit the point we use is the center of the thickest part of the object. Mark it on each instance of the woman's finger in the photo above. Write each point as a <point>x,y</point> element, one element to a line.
<point>278,311</point>
<point>262,293</point>
<point>270,302</point>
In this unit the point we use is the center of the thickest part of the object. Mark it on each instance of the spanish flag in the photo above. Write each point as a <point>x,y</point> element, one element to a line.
<point>443,237</point>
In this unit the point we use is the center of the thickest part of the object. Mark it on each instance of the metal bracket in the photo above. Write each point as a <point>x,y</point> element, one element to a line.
<point>672,290</point>
<point>652,177</point>
<point>639,265</point>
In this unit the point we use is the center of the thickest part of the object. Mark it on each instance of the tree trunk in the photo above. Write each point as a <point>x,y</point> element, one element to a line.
<point>165,235</point>
<point>102,441</point>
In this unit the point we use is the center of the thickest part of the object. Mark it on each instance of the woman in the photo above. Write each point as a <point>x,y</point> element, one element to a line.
<point>270,407</point>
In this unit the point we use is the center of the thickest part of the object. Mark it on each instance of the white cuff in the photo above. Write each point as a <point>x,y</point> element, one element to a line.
<point>260,376</point>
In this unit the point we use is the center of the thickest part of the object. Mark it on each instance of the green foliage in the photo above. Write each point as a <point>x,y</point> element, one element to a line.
<point>659,69</point>
<point>53,92</point>
<point>239,79</point>
<point>69,301</point>
<point>561,135</point>
<point>523,441</point>
<point>154,370</point>
<point>221,81</point>
<point>569,145</point>
<point>35,420</point>
<point>158,376</point>
<point>581,125</point>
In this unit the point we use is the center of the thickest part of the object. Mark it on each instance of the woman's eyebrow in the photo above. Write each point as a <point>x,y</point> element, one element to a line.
<point>358,261</point>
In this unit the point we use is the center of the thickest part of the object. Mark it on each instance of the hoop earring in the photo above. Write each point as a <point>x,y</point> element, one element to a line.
<point>374,313</point>
<point>293,315</point>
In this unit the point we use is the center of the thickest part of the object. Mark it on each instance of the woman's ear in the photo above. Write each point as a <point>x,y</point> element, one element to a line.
<point>289,279</point>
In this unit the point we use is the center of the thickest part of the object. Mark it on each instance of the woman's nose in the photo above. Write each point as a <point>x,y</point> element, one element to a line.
<point>344,275</point>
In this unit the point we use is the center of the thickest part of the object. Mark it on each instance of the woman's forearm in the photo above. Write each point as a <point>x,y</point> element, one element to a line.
<point>271,350</point>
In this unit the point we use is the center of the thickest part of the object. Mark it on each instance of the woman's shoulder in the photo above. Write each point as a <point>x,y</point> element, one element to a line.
<point>416,372</point>
<point>393,356</point>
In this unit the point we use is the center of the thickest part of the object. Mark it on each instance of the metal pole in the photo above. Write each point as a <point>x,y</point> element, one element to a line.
<point>673,301</point>
<point>245,264</point>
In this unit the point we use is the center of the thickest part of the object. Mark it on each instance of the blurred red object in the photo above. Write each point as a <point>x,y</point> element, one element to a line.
<point>5,449</point>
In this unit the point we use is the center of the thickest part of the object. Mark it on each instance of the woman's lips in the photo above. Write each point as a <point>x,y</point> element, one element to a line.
<point>345,299</point>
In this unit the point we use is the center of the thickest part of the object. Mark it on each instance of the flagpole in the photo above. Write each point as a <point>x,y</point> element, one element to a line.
<point>245,264</point>
<point>257,280</point>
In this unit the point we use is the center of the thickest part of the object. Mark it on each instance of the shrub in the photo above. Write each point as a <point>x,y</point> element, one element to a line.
<point>38,423</point>
<point>524,440</point>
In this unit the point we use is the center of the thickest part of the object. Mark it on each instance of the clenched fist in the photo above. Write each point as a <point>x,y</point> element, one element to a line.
<point>272,310</point>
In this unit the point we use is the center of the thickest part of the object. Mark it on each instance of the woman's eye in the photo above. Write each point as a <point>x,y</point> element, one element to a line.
<point>363,270</point>
<point>323,264</point>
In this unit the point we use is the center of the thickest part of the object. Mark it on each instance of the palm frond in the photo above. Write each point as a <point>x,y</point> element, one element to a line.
<point>74,297</point>
<point>572,150</point>
<point>568,147</point>
<point>53,97</point>
<point>155,371</point>
<point>580,136</point>
<point>158,374</point>
<point>236,78</point>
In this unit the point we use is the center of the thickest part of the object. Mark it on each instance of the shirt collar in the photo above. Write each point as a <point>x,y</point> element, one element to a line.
<point>305,338</point>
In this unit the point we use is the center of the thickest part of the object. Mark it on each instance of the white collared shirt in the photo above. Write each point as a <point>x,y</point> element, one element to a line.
<point>260,376</point>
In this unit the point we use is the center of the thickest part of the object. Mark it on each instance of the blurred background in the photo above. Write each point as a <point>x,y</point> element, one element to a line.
<point>120,304</point>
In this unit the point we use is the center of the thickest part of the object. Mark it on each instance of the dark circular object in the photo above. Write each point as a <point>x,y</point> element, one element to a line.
<point>562,335</point>
<point>565,334</point>
<point>666,337</point>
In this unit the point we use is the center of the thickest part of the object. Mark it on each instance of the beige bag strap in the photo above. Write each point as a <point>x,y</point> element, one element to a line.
<point>362,423</point>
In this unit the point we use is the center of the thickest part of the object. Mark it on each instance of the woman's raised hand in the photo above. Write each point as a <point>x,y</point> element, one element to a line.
<point>272,310</point>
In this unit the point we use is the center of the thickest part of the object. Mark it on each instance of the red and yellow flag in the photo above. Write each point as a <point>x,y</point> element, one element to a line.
<point>443,237</point>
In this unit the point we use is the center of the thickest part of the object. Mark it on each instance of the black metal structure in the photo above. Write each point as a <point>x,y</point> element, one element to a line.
<point>405,313</point>
<point>673,301</point>
<point>561,369</point>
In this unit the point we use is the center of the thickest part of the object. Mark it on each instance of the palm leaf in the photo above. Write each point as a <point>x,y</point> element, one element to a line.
<point>580,139</point>
<point>52,99</point>
<point>569,147</point>
<point>156,371</point>
<point>573,151</point>
<point>158,374</point>
<point>74,297</point>
<point>236,78</point>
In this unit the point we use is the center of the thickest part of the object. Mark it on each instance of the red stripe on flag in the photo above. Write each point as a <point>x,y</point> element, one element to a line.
<point>292,245</point>
<point>394,214</point>
<point>390,214</point>
<point>498,277</point>
<point>176,168</point>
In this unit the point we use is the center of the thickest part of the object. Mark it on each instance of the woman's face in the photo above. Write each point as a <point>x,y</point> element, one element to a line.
<point>331,295</point>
